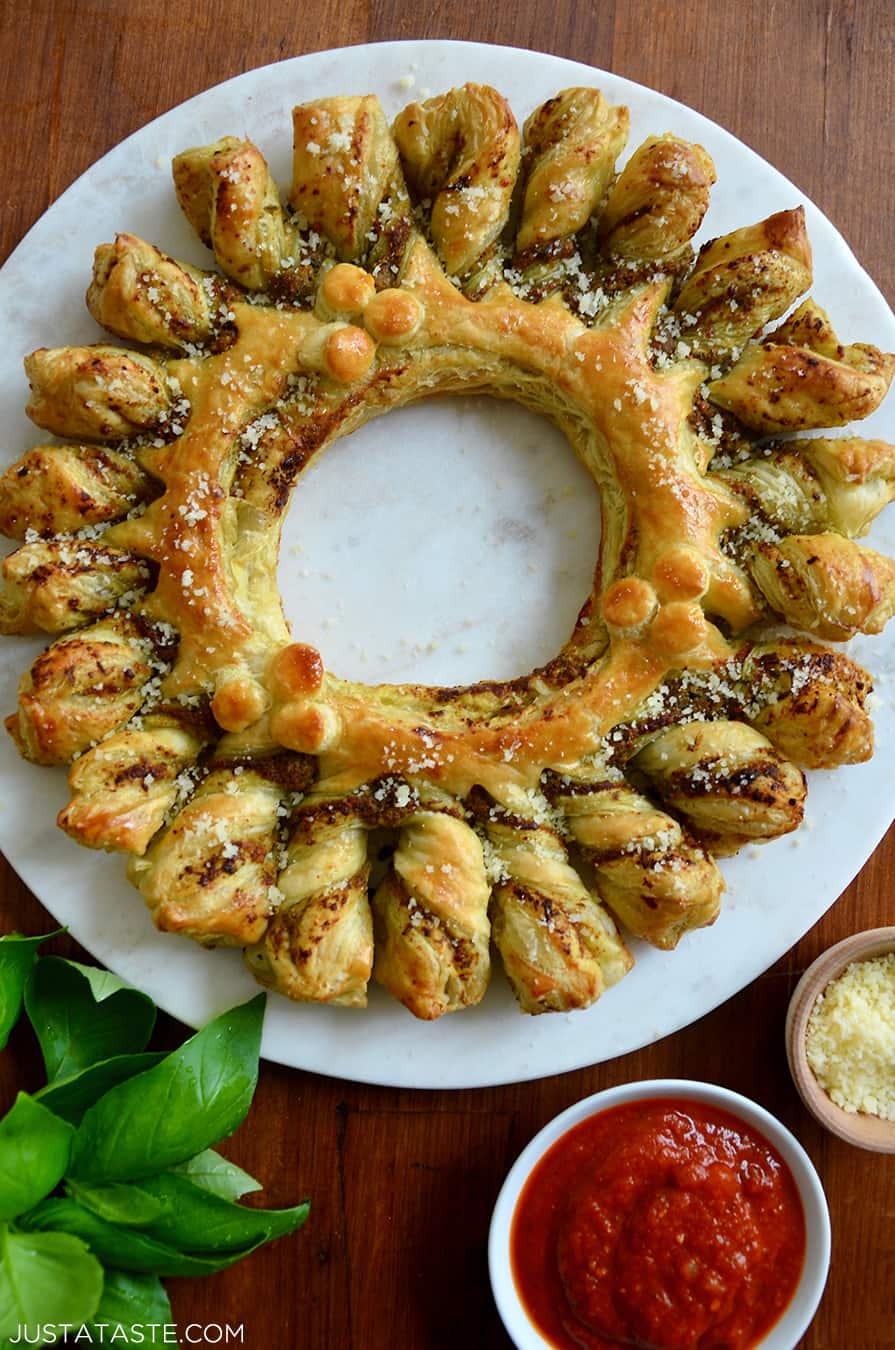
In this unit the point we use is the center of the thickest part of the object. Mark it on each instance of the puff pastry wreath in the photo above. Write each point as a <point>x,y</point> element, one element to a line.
<point>448,253</point>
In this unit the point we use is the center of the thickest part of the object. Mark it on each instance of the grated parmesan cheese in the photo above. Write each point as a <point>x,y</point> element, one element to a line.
<point>850,1038</point>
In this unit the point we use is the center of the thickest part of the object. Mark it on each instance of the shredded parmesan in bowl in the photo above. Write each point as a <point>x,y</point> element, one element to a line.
<point>850,1038</point>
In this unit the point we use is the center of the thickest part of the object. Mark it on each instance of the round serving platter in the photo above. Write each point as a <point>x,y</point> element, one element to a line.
<point>449,542</point>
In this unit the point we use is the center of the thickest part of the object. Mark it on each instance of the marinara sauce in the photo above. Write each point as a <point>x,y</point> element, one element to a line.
<point>664,1224</point>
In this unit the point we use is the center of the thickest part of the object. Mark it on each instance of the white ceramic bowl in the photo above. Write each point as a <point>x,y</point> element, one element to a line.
<point>786,1332</point>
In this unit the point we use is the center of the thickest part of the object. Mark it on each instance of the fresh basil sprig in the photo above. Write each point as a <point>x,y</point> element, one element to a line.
<point>108,1177</point>
<point>169,1207</point>
<point>82,1016</point>
<point>218,1175</point>
<point>34,1153</point>
<point>126,1248</point>
<point>131,1301</point>
<point>71,1096</point>
<point>46,1278</point>
<point>17,956</point>
<point>194,1097</point>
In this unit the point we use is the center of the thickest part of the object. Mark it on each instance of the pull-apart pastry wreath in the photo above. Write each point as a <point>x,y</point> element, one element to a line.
<point>542,816</point>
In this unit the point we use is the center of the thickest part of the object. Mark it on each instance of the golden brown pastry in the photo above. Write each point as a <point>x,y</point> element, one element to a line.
<point>657,881</point>
<point>658,200</point>
<point>801,377</point>
<point>63,488</point>
<point>101,393</point>
<point>571,143</point>
<point>245,779</point>
<point>318,945</point>
<point>124,787</point>
<point>230,198</point>
<point>460,152</point>
<point>826,584</point>
<point>743,281</point>
<point>139,293</point>
<point>53,585</point>
<point>816,484</point>
<point>346,180</point>
<point>85,686</point>
<point>727,780</point>
<point>559,947</point>
<point>431,911</point>
<point>810,701</point>
<point>212,872</point>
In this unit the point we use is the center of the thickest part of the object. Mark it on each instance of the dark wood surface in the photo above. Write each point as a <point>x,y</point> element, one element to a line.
<point>402,1182</point>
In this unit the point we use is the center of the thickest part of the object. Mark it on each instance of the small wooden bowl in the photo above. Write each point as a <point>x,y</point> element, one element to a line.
<point>865,1131</point>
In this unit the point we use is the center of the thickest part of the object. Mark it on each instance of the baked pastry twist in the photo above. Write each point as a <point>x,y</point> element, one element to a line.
<point>431,908</point>
<point>339,832</point>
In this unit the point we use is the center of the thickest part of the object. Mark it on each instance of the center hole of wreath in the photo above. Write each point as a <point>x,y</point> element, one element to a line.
<point>451,541</point>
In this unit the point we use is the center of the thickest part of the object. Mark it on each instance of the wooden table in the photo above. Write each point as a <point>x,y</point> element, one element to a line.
<point>403,1182</point>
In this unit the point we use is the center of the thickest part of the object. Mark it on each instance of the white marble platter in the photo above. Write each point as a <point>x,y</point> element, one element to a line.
<point>469,560</point>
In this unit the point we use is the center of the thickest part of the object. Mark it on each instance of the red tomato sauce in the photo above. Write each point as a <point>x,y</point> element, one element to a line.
<point>662,1224</point>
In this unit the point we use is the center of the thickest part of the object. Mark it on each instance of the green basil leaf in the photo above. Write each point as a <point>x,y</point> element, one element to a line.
<point>117,1202</point>
<point>102,982</point>
<point>127,1248</point>
<point>46,1279</point>
<point>196,1096</point>
<point>132,1301</point>
<point>218,1175</point>
<point>17,956</point>
<point>174,1211</point>
<point>195,1220</point>
<point>70,1097</point>
<point>74,1029</point>
<point>34,1152</point>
